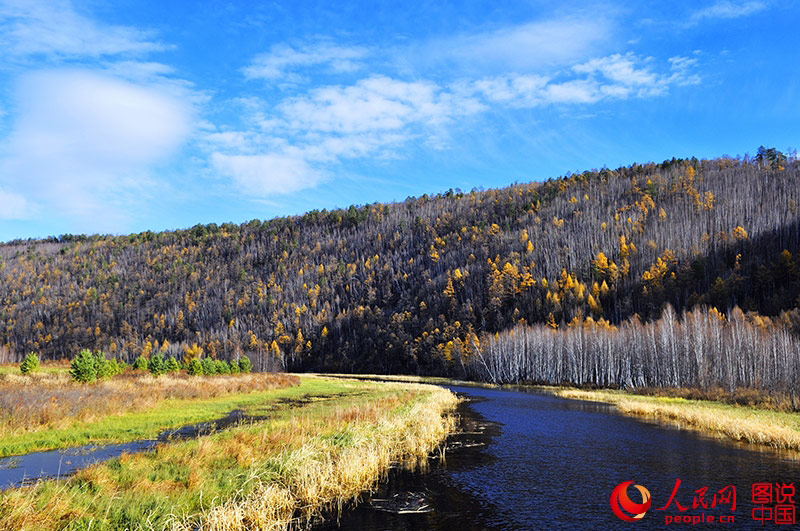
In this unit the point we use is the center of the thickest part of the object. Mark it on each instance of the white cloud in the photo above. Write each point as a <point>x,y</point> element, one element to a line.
<point>375,116</point>
<point>81,140</point>
<point>522,47</point>
<point>377,103</point>
<point>619,68</point>
<point>331,124</point>
<point>725,9</point>
<point>55,28</point>
<point>510,88</point>
<point>282,61</point>
<point>267,174</point>
<point>535,64</point>
<point>682,74</point>
<point>13,206</point>
<point>612,77</point>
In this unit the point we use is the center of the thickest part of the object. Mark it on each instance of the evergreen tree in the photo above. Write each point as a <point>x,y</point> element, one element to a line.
<point>194,367</point>
<point>156,364</point>
<point>209,367</point>
<point>29,364</point>
<point>84,367</point>
<point>172,365</point>
<point>140,364</point>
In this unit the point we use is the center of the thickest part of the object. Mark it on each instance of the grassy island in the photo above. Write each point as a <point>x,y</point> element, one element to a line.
<point>318,444</point>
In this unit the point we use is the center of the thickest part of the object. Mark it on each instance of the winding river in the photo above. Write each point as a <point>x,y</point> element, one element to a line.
<point>528,460</point>
<point>534,461</point>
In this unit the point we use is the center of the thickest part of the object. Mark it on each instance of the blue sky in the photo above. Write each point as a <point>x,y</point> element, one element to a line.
<point>126,116</point>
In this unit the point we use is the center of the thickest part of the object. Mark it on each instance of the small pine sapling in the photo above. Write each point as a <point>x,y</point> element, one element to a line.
<point>172,365</point>
<point>29,364</point>
<point>84,367</point>
<point>194,367</point>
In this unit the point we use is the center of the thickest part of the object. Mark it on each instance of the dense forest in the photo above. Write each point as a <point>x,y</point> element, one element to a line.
<point>423,286</point>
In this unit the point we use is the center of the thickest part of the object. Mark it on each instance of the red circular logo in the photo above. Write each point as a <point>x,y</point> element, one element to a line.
<point>624,508</point>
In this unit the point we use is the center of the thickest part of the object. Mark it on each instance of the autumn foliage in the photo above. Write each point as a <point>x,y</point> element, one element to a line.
<point>417,286</point>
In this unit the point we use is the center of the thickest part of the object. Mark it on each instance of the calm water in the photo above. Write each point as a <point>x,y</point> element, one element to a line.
<point>550,463</point>
<point>25,469</point>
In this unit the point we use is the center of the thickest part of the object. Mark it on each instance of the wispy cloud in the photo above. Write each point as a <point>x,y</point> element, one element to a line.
<point>309,132</point>
<point>683,73</point>
<point>282,62</point>
<point>726,9</point>
<point>537,44</point>
<point>14,206</point>
<point>302,137</point>
<point>81,139</point>
<point>267,174</point>
<point>378,103</point>
<point>605,78</point>
<point>56,28</point>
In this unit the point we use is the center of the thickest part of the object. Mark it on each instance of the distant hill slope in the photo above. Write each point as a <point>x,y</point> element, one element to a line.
<point>387,287</point>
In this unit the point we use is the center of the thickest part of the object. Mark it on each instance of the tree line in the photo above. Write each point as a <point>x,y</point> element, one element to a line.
<point>698,349</point>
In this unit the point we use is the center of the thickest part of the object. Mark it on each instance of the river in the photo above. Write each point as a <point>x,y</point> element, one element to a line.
<point>534,461</point>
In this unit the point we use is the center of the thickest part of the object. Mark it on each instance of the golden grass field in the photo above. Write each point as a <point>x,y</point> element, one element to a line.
<point>322,444</point>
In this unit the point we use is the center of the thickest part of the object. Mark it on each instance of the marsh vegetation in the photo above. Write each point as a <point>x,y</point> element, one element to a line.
<point>319,445</point>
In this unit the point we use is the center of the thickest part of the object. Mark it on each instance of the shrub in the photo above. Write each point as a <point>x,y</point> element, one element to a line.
<point>140,364</point>
<point>29,364</point>
<point>245,365</point>
<point>234,367</point>
<point>223,367</point>
<point>172,365</point>
<point>84,367</point>
<point>116,367</point>
<point>103,366</point>
<point>209,367</point>
<point>194,367</point>
<point>156,364</point>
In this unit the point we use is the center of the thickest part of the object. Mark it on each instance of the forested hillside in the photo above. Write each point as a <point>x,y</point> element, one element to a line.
<point>417,286</point>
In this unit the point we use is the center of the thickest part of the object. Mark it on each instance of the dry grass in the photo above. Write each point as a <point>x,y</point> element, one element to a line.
<point>433,380</point>
<point>273,475</point>
<point>743,396</point>
<point>326,472</point>
<point>45,401</point>
<point>758,426</point>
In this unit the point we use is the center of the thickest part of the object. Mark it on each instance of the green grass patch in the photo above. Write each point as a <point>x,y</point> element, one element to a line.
<point>170,414</point>
<point>44,368</point>
<point>325,442</point>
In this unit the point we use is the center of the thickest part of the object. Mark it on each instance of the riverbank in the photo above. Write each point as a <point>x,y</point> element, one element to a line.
<point>310,454</point>
<point>740,423</point>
